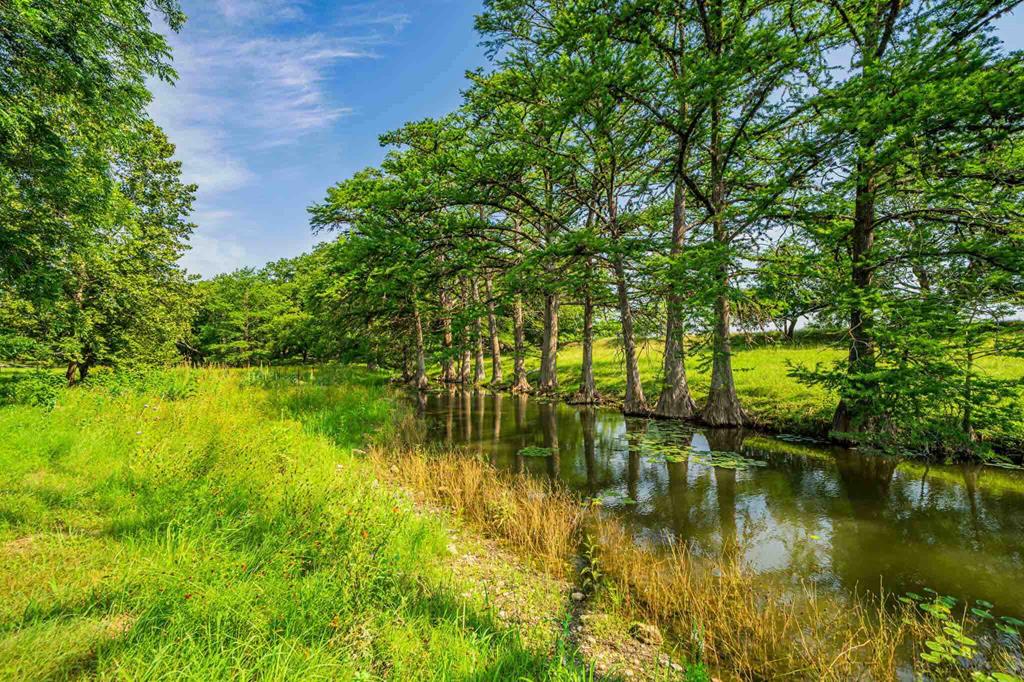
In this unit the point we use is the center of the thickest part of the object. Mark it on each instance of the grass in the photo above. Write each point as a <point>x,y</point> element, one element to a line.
<point>152,532</point>
<point>715,610</point>
<point>218,524</point>
<point>772,398</point>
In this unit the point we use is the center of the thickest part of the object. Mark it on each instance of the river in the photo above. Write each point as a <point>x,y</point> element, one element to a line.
<point>797,509</point>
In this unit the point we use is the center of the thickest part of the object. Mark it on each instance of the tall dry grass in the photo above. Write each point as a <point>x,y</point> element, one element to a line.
<point>544,523</point>
<point>716,611</point>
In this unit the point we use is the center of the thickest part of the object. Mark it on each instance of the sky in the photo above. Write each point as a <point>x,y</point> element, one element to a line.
<point>277,100</point>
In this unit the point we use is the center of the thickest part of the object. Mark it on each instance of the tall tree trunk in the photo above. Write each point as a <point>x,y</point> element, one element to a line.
<point>406,374</point>
<point>854,412</point>
<point>587,393</point>
<point>492,327</point>
<point>466,362</point>
<point>447,342</point>
<point>635,402</point>
<point>723,406</point>
<point>791,328</point>
<point>478,339</point>
<point>549,348</point>
<point>420,379</point>
<point>69,374</point>
<point>675,399</point>
<point>520,384</point>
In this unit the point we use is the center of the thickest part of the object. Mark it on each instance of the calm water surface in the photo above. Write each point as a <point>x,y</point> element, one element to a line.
<point>799,510</point>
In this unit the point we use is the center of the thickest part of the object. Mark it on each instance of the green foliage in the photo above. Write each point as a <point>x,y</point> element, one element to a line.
<point>93,208</point>
<point>38,388</point>
<point>626,160</point>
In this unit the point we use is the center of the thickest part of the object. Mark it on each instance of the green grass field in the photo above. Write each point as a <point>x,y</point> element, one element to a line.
<point>191,527</point>
<point>772,397</point>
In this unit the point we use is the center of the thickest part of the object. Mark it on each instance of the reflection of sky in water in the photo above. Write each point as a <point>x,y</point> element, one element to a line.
<point>814,513</point>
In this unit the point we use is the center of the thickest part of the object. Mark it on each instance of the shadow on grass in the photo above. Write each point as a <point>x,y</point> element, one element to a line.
<point>511,657</point>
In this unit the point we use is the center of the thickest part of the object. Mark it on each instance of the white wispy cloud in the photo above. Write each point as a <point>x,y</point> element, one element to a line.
<point>262,10</point>
<point>211,255</point>
<point>249,81</point>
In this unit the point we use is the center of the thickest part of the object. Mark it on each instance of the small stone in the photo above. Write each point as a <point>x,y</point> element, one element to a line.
<point>646,633</point>
<point>577,596</point>
<point>678,668</point>
<point>629,673</point>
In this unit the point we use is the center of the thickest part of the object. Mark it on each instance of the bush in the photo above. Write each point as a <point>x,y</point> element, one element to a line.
<point>164,383</point>
<point>37,388</point>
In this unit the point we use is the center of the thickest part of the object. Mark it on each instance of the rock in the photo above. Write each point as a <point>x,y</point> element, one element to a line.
<point>578,596</point>
<point>678,668</point>
<point>646,633</point>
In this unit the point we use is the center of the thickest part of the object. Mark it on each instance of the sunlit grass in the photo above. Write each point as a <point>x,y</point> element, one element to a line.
<point>771,396</point>
<point>215,536</point>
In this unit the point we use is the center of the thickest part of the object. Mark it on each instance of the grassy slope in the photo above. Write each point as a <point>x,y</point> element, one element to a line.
<point>144,537</point>
<point>770,395</point>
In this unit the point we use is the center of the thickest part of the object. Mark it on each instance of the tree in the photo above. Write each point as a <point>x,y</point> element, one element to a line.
<point>94,212</point>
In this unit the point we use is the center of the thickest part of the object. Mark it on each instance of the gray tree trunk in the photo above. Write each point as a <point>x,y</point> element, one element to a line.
<point>723,406</point>
<point>549,349</point>
<point>675,399</point>
<point>520,384</point>
<point>447,343</point>
<point>587,393</point>
<point>492,325</point>
<point>635,403</point>
<point>478,339</point>
<point>420,379</point>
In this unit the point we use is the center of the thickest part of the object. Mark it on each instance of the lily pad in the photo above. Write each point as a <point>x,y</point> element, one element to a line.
<point>534,451</point>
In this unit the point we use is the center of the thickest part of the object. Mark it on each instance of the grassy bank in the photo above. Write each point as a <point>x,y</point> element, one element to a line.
<point>773,399</point>
<point>280,525</point>
<point>188,526</point>
<point>712,609</point>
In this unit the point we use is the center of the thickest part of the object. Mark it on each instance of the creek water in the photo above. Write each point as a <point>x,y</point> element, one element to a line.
<point>798,510</point>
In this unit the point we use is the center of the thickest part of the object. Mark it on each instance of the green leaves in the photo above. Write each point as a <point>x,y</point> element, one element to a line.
<point>533,451</point>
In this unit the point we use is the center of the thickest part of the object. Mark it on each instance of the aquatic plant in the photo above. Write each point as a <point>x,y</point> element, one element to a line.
<point>534,451</point>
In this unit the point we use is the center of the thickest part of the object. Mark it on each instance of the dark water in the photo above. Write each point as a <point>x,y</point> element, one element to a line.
<point>799,510</point>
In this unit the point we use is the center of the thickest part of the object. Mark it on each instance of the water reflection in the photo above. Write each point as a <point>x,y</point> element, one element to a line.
<point>814,513</point>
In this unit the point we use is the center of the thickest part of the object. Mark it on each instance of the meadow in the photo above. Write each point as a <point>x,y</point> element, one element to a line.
<point>186,525</point>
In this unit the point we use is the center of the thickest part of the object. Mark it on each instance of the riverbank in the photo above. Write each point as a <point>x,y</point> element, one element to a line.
<point>283,524</point>
<point>712,608</point>
<point>774,400</point>
<point>214,524</point>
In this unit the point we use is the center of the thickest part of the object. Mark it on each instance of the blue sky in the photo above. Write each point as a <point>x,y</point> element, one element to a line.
<point>279,99</point>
